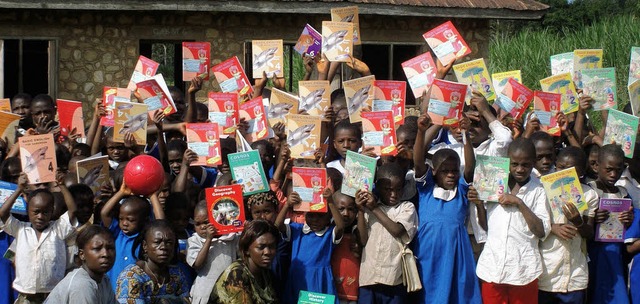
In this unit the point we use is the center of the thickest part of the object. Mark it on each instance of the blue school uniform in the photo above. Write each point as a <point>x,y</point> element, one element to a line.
<point>442,247</point>
<point>310,268</point>
<point>280,265</point>
<point>633,233</point>
<point>124,254</point>
<point>7,273</point>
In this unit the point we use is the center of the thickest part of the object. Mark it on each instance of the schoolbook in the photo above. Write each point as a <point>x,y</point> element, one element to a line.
<point>634,97</point>
<point>420,72</point>
<point>562,63</point>
<point>600,84</point>
<point>446,102</point>
<point>307,297</point>
<point>562,188</point>
<point>281,104</point>
<point>309,183</point>
<point>337,40</point>
<point>348,14</point>
<point>145,69</point>
<point>5,104</point>
<point>196,59</point>
<point>475,74</point>
<point>545,106</point>
<point>204,140</point>
<point>253,112</point>
<point>38,158</point>
<point>155,94</point>
<point>130,117</point>
<point>390,95</point>
<point>109,96</point>
<point>359,172</point>
<point>634,65</point>
<point>491,177</point>
<point>267,58</point>
<point>514,98</point>
<point>231,77</point>
<point>585,59</point>
<point>310,42</point>
<point>612,230</point>
<point>226,208</point>
<point>223,110</point>
<point>500,80</point>
<point>359,94</point>
<point>447,43</point>
<point>93,172</point>
<point>379,132</point>
<point>562,84</point>
<point>246,170</point>
<point>9,123</point>
<point>621,129</point>
<point>70,117</point>
<point>303,135</point>
<point>314,97</point>
<point>6,190</point>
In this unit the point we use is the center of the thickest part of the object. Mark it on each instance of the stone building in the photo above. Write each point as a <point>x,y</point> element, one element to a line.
<point>71,49</point>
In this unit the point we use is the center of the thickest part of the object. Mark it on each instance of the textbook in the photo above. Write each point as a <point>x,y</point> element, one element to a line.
<point>223,110</point>
<point>420,72</point>
<point>145,69</point>
<point>204,140</point>
<point>446,102</point>
<point>348,14</point>
<point>562,63</point>
<point>310,42</point>
<point>514,98</point>
<point>309,183</point>
<point>70,117</point>
<point>337,40</point>
<point>563,187</point>
<point>545,106</point>
<point>447,43</point>
<point>109,96</point>
<point>9,124</point>
<point>359,94</point>
<point>231,77</point>
<point>621,129</point>
<point>475,74</point>
<point>93,172</point>
<point>390,95</point>
<point>253,112</point>
<point>303,135</point>
<point>225,208</point>
<point>6,190</point>
<point>38,158</point>
<point>491,177</point>
<point>281,103</point>
<point>314,97</point>
<point>155,93</point>
<point>634,97</point>
<point>307,297</point>
<point>600,84</point>
<point>499,80</point>
<point>562,84</point>
<point>130,117</point>
<point>379,131</point>
<point>196,60</point>
<point>585,59</point>
<point>634,65</point>
<point>359,172</point>
<point>267,58</point>
<point>612,230</point>
<point>246,170</point>
<point>5,105</point>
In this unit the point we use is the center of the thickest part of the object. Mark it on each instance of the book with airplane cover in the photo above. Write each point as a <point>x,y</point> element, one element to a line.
<point>447,43</point>
<point>390,95</point>
<point>196,59</point>
<point>309,183</point>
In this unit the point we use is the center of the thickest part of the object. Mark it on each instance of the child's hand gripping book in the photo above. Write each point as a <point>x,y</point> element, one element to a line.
<point>70,117</point>
<point>337,40</point>
<point>562,84</point>
<point>310,42</point>
<point>420,72</point>
<point>314,97</point>
<point>253,112</point>
<point>38,158</point>
<point>267,58</point>
<point>545,106</point>
<point>475,74</point>
<point>226,208</point>
<point>6,190</point>
<point>145,69</point>
<point>514,98</point>
<point>155,93</point>
<point>231,77</point>
<point>359,172</point>
<point>204,140</point>
<point>223,110</point>
<point>303,135</point>
<point>378,131</point>
<point>600,84</point>
<point>563,187</point>
<point>109,96</point>
<point>390,95</point>
<point>447,43</point>
<point>246,169</point>
<point>196,59</point>
<point>446,102</point>
<point>621,129</point>
<point>612,230</point>
<point>585,59</point>
<point>130,117</point>
<point>309,183</point>
<point>359,94</point>
<point>280,105</point>
<point>491,177</point>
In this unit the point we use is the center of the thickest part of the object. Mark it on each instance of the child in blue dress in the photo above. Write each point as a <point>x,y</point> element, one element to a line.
<point>442,246</point>
<point>311,248</point>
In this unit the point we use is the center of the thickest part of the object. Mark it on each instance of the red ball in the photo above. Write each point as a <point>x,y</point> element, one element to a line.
<point>144,175</point>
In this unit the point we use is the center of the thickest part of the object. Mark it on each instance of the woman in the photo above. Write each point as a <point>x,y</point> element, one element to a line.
<point>152,279</point>
<point>88,284</point>
<point>248,280</point>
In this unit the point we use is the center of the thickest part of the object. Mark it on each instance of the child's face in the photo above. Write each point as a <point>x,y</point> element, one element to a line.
<point>610,169</point>
<point>407,140</point>
<point>447,174</point>
<point>347,207</point>
<point>521,165</point>
<point>317,220</point>
<point>390,189</point>
<point>99,254</point>
<point>201,219</point>
<point>479,130</point>
<point>130,218</point>
<point>545,156</point>
<point>21,107</point>
<point>84,210</point>
<point>592,167</point>
<point>175,161</point>
<point>40,210</point>
<point>40,109</point>
<point>165,190</point>
<point>159,244</point>
<point>14,173</point>
<point>116,151</point>
<point>346,140</point>
<point>267,160</point>
<point>264,211</point>
<point>567,162</point>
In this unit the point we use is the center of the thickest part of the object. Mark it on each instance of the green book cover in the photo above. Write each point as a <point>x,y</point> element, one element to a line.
<point>359,171</point>
<point>600,84</point>
<point>307,297</point>
<point>634,65</point>
<point>246,170</point>
<point>562,63</point>
<point>621,129</point>
<point>491,177</point>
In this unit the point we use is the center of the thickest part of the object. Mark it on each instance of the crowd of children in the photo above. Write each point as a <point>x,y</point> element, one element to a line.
<point>115,246</point>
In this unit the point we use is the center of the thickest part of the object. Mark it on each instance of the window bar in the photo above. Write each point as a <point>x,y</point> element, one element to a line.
<point>20,73</point>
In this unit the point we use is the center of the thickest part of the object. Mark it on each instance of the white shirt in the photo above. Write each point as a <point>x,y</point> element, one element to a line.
<point>631,185</point>
<point>336,165</point>
<point>78,287</point>
<point>40,263</point>
<point>222,252</point>
<point>511,255</point>
<point>564,263</point>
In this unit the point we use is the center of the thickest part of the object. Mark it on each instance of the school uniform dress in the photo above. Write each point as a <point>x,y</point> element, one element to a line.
<point>124,254</point>
<point>222,252</point>
<point>633,188</point>
<point>442,247</point>
<point>7,273</point>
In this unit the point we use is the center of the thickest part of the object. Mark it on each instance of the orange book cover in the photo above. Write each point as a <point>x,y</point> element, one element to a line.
<point>359,93</point>
<point>378,131</point>
<point>145,69</point>
<point>70,117</point>
<point>109,96</point>
<point>280,104</point>
<point>38,158</point>
<point>309,183</point>
<point>223,110</point>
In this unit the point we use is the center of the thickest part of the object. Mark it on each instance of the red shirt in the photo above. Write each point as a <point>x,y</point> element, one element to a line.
<point>346,269</point>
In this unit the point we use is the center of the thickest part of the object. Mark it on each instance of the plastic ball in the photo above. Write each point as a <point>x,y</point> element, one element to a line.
<point>144,175</point>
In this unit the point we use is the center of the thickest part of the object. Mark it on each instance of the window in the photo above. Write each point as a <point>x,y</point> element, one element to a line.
<point>291,59</point>
<point>169,55</point>
<point>28,66</point>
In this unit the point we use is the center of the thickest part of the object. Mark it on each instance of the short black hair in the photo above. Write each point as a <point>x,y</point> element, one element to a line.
<point>443,155</point>
<point>4,167</point>
<point>336,178</point>
<point>522,144</point>
<point>138,202</point>
<point>541,136</point>
<point>177,145</point>
<point>263,197</point>
<point>44,192</point>
<point>610,150</point>
<point>24,96</point>
<point>86,234</point>
<point>148,228</point>
<point>337,93</point>
<point>390,170</point>
<point>44,98</point>
<point>347,125</point>
<point>576,154</point>
<point>252,231</point>
<point>81,193</point>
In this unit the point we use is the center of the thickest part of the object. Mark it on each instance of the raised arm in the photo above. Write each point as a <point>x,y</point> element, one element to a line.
<point>335,213</point>
<point>293,199</point>
<point>194,87</point>
<point>98,113</point>
<point>105,213</point>
<point>68,201</point>
<point>201,258</point>
<point>182,180</point>
<point>469,155</point>
<point>362,198</point>
<point>158,120</point>
<point>285,153</point>
<point>427,131</point>
<point>5,210</point>
<point>581,117</point>
<point>566,131</point>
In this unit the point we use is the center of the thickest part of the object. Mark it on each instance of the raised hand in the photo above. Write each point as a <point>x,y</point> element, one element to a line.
<point>189,157</point>
<point>195,86</point>
<point>442,70</point>
<point>293,199</point>
<point>424,122</point>
<point>158,118</point>
<point>473,196</point>
<point>479,101</point>
<point>279,130</point>
<point>129,140</point>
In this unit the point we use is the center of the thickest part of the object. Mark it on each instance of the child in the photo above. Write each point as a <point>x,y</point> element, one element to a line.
<point>134,214</point>
<point>510,263</point>
<point>43,112</point>
<point>83,197</point>
<point>40,258</point>
<point>346,137</point>
<point>607,266</point>
<point>384,226</point>
<point>545,153</point>
<point>443,250</point>
<point>565,275</point>
<point>312,245</point>
<point>592,152</point>
<point>345,261</point>
<point>208,255</point>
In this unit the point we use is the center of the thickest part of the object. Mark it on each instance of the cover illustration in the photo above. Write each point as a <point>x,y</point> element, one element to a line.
<point>253,112</point>
<point>309,183</point>
<point>378,131</point>
<point>196,60</point>
<point>359,94</point>
<point>348,14</point>
<point>314,96</point>
<point>223,110</point>
<point>226,208</point>
<point>359,171</point>
<point>204,140</point>
<point>621,129</point>
<point>246,170</point>
<point>155,94</point>
<point>70,117</point>
<point>109,96</point>
<point>6,189</point>
<point>231,77</point>
<point>600,84</point>
<point>93,172</point>
<point>145,69</point>
<point>446,102</point>
<point>447,43</point>
<point>499,80</point>
<point>280,104</point>
<point>475,74</point>
<point>562,63</point>
<point>420,72</point>
<point>562,84</point>
<point>545,106</point>
<point>585,59</point>
<point>303,135</point>
<point>310,42</point>
<point>337,40</point>
<point>612,230</point>
<point>38,158</point>
<point>634,97</point>
<point>267,57</point>
<point>514,98</point>
<point>390,95</point>
<point>563,187</point>
<point>491,177</point>
<point>130,117</point>
<point>634,65</point>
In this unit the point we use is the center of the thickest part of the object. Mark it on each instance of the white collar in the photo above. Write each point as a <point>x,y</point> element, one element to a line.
<point>306,230</point>
<point>444,194</point>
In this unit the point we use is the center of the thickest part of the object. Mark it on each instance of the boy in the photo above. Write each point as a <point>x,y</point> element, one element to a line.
<point>510,263</point>
<point>545,153</point>
<point>345,260</point>
<point>43,113</point>
<point>40,252</point>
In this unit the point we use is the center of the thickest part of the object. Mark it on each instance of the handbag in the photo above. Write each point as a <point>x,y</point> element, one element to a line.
<point>410,275</point>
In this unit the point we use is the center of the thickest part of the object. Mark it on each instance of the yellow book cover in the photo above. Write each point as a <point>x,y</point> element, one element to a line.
<point>474,73</point>
<point>5,105</point>
<point>303,135</point>
<point>500,80</point>
<point>562,84</point>
<point>337,40</point>
<point>280,105</point>
<point>585,59</point>
<point>315,96</point>
<point>130,117</point>
<point>267,57</point>
<point>563,187</point>
<point>359,93</point>
<point>93,172</point>
<point>38,158</point>
<point>8,125</point>
<point>348,14</point>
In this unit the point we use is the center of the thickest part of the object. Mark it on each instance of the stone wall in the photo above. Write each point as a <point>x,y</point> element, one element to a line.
<point>97,49</point>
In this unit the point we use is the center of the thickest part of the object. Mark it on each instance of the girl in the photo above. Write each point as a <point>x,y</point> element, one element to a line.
<point>312,245</point>
<point>442,247</point>
<point>346,137</point>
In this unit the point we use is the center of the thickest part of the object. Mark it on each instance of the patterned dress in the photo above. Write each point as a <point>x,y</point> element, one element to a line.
<point>136,287</point>
<point>238,285</point>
